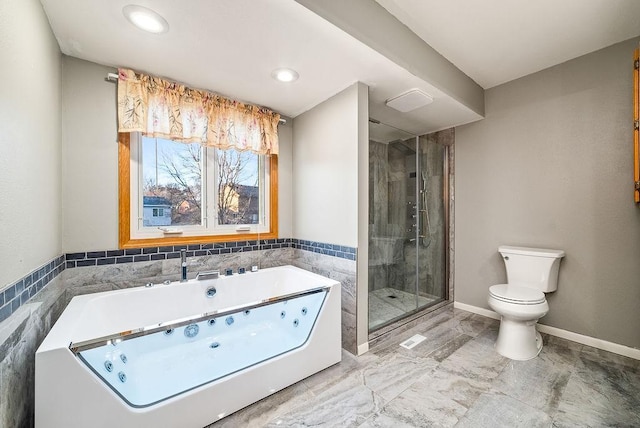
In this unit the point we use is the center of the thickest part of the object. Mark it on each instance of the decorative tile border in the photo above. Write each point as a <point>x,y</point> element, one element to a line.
<point>328,249</point>
<point>18,293</point>
<point>131,255</point>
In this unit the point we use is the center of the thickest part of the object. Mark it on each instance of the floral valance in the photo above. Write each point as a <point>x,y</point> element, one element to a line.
<point>164,109</point>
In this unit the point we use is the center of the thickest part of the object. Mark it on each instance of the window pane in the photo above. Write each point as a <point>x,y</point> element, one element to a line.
<point>172,187</point>
<point>238,187</point>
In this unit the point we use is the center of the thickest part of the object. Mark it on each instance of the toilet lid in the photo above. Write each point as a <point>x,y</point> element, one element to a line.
<point>516,294</point>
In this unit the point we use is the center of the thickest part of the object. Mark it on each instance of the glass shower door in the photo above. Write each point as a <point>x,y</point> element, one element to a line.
<point>406,226</point>
<point>432,214</point>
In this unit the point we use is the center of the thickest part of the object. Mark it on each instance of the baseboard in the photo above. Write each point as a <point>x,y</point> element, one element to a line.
<point>363,348</point>
<point>476,310</point>
<point>564,334</point>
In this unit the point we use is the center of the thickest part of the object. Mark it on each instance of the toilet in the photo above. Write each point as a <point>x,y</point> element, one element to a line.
<point>531,272</point>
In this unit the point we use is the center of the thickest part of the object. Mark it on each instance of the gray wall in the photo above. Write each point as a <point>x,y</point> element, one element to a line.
<point>90,158</point>
<point>30,138</point>
<point>551,166</point>
<point>325,176</point>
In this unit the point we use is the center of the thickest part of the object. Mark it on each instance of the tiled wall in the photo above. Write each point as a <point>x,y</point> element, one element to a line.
<point>35,302</point>
<point>18,293</point>
<point>392,185</point>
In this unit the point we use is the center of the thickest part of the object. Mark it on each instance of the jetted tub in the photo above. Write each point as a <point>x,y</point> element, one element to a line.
<point>185,354</point>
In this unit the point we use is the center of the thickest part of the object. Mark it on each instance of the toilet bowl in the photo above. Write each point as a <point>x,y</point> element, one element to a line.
<point>521,302</point>
<point>519,308</point>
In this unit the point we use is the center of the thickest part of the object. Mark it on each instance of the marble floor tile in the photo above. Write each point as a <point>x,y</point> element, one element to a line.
<point>475,324</point>
<point>609,358</point>
<point>493,410</point>
<point>348,403</point>
<point>327,378</point>
<point>420,406</point>
<point>600,392</point>
<point>381,420</point>
<point>477,360</point>
<point>466,373</point>
<point>437,335</point>
<point>390,375</point>
<point>455,378</point>
<point>539,382</point>
<point>443,352</point>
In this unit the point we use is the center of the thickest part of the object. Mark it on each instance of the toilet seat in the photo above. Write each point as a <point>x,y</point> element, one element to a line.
<point>516,294</point>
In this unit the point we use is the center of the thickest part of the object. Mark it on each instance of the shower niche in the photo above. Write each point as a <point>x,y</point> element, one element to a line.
<point>408,222</point>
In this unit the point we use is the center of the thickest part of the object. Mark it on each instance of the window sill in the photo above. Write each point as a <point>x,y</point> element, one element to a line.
<point>178,240</point>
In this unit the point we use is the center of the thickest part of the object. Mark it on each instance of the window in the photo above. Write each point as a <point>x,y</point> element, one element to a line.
<point>173,193</point>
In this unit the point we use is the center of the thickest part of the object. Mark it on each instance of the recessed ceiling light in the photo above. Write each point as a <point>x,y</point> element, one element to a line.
<point>285,75</point>
<point>145,19</point>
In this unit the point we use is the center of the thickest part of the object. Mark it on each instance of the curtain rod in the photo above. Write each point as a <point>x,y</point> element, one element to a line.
<point>113,77</point>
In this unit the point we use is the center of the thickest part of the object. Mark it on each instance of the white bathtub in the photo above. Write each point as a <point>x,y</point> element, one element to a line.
<point>171,356</point>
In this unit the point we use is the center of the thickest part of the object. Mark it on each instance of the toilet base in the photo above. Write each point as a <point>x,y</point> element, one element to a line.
<point>518,340</point>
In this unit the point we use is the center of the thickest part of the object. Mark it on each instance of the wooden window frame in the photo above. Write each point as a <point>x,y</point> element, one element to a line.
<point>636,125</point>
<point>124,208</point>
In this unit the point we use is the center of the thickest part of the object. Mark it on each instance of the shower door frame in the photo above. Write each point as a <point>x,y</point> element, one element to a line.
<point>446,199</point>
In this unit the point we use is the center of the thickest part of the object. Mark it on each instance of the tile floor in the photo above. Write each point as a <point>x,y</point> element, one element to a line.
<point>386,304</point>
<point>455,378</point>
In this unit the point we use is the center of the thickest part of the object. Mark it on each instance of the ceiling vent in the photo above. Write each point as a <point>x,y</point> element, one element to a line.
<point>410,100</point>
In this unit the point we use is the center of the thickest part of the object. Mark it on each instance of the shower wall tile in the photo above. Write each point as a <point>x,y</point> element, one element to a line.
<point>449,138</point>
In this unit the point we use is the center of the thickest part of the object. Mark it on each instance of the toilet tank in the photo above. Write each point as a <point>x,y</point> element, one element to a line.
<point>532,267</point>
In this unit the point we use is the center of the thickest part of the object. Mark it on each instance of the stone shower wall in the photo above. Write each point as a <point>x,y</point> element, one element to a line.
<point>392,187</point>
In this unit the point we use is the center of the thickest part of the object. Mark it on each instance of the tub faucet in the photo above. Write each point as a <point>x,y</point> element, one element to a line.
<point>183,264</point>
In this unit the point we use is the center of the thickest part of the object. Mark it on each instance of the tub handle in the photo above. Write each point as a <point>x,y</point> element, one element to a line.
<point>212,274</point>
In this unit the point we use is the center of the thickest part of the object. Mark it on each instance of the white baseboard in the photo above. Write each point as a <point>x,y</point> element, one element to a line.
<point>565,334</point>
<point>476,310</point>
<point>362,348</point>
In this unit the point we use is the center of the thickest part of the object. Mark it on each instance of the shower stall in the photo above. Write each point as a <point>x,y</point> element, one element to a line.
<point>408,222</point>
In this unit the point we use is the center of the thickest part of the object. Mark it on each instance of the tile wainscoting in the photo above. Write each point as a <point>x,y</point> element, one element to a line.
<point>31,305</point>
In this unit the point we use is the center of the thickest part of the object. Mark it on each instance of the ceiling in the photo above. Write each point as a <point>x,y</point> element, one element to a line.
<point>495,41</point>
<point>231,47</point>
